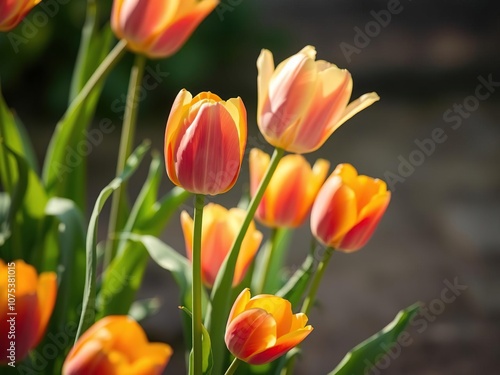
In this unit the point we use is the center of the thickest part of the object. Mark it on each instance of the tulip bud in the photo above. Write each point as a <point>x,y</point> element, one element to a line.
<point>291,191</point>
<point>12,12</point>
<point>348,209</point>
<point>205,142</point>
<point>303,101</point>
<point>116,345</point>
<point>26,303</point>
<point>158,28</point>
<point>220,227</point>
<point>263,328</point>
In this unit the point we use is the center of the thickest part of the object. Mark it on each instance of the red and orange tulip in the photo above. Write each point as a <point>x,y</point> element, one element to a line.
<point>205,142</point>
<point>303,101</point>
<point>348,209</point>
<point>13,11</point>
<point>291,191</point>
<point>263,328</point>
<point>35,296</point>
<point>158,28</point>
<point>220,227</point>
<point>116,345</point>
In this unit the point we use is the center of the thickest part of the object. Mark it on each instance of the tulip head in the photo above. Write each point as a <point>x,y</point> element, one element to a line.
<point>348,209</point>
<point>35,296</point>
<point>116,345</point>
<point>158,28</point>
<point>220,227</point>
<point>13,11</point>
<point>263,328</point>
<point>303,101</point>
<point>205,142</point>
<point>291,191</point>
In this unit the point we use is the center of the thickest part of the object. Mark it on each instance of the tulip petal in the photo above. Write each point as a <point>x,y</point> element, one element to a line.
<point>250,332</point>
<point>299,321</point>
<point>46,295</point>
<point>279,308</point>
<point>239,305</point>
<point>238,112</point>
<point>187,230</point>
<point>370,216</point>
<point>259,161</point>
<point>364,101</point>
<point>88,359</point>
<point>265,67</point>
<point>171,39</point>
<point>283,345</point>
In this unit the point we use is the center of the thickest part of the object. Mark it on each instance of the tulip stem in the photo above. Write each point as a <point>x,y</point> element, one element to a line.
<point>268,255</point>
<point>218,310</point>
<point>118,205</point>
<point>232,368</point>
<point>309,301</point>
<point>196,287</point>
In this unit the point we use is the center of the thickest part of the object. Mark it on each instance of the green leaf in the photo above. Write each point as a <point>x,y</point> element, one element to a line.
<point>372,349</point>
<point>206,344</point>
<point>4,219</point>
<point>88,306</point>
<point>123,277</point>
<point>297,285</point>
<point>65,161</point>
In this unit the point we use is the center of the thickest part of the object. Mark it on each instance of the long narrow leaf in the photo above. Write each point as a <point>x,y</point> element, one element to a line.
<point>365,355</point>
<point>89,297</point>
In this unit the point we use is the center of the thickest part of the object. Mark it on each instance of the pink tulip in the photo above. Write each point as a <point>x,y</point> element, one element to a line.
<point>303,101</point>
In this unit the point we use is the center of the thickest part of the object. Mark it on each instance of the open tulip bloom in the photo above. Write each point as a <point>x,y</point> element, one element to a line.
<point>85,303</point>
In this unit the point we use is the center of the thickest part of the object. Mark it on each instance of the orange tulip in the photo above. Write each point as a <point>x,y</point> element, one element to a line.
<point>116,345</point>
<point>348,208</point>
<point>205,142</point>
<point>303,101</point>
<point>30,298</point>
<point>13,11</point>
<point>291,191</point>
<point>158,28</point>
<point>263,328</point>
<point>220,227</point>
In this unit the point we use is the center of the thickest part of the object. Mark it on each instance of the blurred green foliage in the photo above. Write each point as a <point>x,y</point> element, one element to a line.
<point>37,58</point>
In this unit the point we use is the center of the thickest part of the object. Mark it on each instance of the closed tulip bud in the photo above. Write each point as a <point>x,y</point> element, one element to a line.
<point>348,209</point>
<point>303,101</point>
<point>116,345</point>
<point>220,227</point>
<point>26,303</point>
<point>291,191</point>
<point>158,28</point>
<point>263,328</point>
<point>205,142</point>
<point>13,11</point>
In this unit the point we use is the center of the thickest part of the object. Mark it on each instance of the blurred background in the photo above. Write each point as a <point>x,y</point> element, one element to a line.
<point>435,65</point>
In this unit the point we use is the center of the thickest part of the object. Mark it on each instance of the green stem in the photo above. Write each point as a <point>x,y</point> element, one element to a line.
<point>218,311</point>
<point>232,368</point>
<point>266,266</point>
<point>117,216</point>
<point>309,301</point>
<point>196,287</point>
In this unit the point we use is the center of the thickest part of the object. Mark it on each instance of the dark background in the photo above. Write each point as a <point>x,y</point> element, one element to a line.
<point>444,219</point>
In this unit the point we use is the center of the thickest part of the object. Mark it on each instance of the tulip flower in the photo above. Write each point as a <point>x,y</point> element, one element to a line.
<point>303,101</point>
<point>263,328</point>
<point>205,142</point>
<point>158,28</point>
<point>220,227</point>
<point>33,302</point>
<point>116,345</point>
<point>348,209</point>
<point>13,11</point>
<point>291,191</point>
